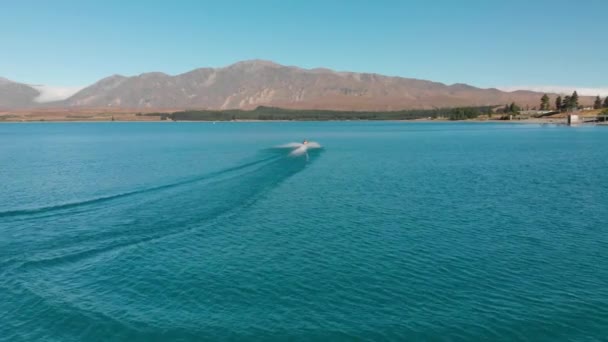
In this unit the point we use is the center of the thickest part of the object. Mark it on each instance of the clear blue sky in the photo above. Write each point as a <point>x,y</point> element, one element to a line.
<point>484,43</point>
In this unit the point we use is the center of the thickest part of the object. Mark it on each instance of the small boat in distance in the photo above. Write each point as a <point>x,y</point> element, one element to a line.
<point>302,148</point>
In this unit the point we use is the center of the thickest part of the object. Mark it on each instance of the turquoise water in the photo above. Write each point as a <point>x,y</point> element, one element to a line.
<point>393,231</point>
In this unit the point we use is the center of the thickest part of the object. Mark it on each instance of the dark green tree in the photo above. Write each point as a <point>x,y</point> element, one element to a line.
<point>606,102</point>
<point>558,103</point>
<point>574,100</point>
<point>463,113</point>
<point>544,102</point>
<point>513,108</point>
<point>598,103</point>
<point>566,104</point>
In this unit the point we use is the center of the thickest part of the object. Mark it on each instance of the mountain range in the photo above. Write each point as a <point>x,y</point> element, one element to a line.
<point>249,84</point>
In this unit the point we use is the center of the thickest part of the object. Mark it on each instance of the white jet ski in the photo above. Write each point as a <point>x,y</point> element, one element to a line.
<point>299,149</point>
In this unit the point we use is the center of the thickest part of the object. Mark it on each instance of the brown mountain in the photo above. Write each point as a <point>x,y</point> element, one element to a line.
<point>16,95</point>
<point>249,84</point>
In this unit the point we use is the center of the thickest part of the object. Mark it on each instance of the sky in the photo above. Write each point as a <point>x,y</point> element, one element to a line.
<point>67,44</point>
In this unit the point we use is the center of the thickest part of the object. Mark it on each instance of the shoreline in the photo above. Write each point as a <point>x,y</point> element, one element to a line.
<point>527,121</point>
<point>275,114</point>
<point>151,119</point>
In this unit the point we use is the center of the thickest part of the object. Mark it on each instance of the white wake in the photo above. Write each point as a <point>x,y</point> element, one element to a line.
<point>300,148</point>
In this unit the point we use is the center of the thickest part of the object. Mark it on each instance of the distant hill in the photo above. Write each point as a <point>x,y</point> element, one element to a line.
<point>16,95</point>
<point>249,84</point>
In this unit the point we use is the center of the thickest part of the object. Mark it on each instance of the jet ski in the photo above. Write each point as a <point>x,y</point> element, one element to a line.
<point>301,148</point>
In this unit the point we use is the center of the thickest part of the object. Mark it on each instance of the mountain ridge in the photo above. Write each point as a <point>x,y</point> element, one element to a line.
<point>252,83</point>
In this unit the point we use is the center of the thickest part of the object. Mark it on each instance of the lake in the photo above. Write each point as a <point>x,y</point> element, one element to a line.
<point>391,231</point>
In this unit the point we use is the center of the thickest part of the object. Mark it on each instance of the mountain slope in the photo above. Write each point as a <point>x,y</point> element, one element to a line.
<point>16,95</point>
<point>249,84</point>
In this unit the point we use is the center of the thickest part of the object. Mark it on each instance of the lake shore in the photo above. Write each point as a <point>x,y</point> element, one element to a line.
<point>99,118</point>
<point>274,114</point>
<point>62,117</point>
<point>64,120</point>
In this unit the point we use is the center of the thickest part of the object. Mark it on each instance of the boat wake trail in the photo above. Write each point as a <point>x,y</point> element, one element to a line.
<point>161,212</point>
<point>63,206</point>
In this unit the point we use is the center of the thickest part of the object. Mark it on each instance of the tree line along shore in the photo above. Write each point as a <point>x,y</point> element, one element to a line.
<point>279,114</point>
<point>546,109</point>
<point>496,112</point>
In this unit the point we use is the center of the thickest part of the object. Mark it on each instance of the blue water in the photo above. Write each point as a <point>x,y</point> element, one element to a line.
<point>393,231</point>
